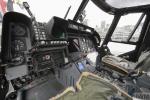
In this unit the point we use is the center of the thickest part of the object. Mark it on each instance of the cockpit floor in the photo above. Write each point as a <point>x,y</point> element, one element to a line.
<point>44,90</point>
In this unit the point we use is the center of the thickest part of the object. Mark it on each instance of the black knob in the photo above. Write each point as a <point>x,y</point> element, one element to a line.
<point>12,96</point>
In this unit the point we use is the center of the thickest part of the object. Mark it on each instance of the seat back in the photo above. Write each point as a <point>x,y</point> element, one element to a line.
<point>144,61</point>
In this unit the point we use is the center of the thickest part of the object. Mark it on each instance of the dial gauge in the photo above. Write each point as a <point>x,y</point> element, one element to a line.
<point>18,45</point>
<point>19,30</point>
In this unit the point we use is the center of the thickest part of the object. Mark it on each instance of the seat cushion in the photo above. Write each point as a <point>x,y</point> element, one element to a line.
<point>92,87</point>
<point>118,64</point>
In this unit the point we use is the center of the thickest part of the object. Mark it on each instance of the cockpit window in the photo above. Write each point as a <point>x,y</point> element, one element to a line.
<point>126,26</point>
<point>42,10</point>
<point>96,18</point>
<point>46,9</point>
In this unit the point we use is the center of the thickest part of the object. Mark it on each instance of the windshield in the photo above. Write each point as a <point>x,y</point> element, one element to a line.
<point>45,9</point>
<point>42,10</point>
<point>126,26</point>
<point>97,19</point>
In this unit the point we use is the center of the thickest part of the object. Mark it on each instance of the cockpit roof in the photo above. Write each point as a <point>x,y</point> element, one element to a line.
<point>123,6</point>
<point>127,3</point>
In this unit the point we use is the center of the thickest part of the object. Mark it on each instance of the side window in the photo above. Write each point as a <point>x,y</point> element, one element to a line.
<point>136,34</point>
<point>123,33</point>
<point>125,27</point>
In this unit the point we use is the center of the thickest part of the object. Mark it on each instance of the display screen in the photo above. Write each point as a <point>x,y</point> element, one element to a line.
<point>57,28</point>
<point>59,35</point>
<point>81,66</point>
<point>59,32</point>
<point>18,29</point>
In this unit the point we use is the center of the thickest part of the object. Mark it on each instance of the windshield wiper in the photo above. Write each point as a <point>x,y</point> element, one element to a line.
<point>67,12</point>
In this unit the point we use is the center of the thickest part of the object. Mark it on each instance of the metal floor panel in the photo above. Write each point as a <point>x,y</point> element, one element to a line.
<point>43,91</point>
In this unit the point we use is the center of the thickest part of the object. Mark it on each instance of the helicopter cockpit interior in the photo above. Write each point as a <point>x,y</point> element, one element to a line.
<point>40,60</point>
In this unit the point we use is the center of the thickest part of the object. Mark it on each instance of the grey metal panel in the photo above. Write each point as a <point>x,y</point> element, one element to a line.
<point>15,72</point>
<point>68,76</point>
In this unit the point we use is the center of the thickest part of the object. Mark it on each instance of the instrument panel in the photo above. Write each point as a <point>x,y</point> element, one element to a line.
<point>48,59</point>
<point>50,56</point>
<point>18,29</point>
<point>86,45</point>
<point>19,45</point>
<point>80,44</point>
<point>18,33</point>
<point>18,59</point>
<point>43,61</point>
<point>36,51</point>
<point>19,38</point>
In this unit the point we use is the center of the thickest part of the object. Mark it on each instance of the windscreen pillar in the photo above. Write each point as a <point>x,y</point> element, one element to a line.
<point>111,29</point>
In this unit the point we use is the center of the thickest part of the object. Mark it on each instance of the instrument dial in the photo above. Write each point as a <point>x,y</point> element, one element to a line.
<point>19,45</point>
<point>19,30</point>
<point>18,59</point>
